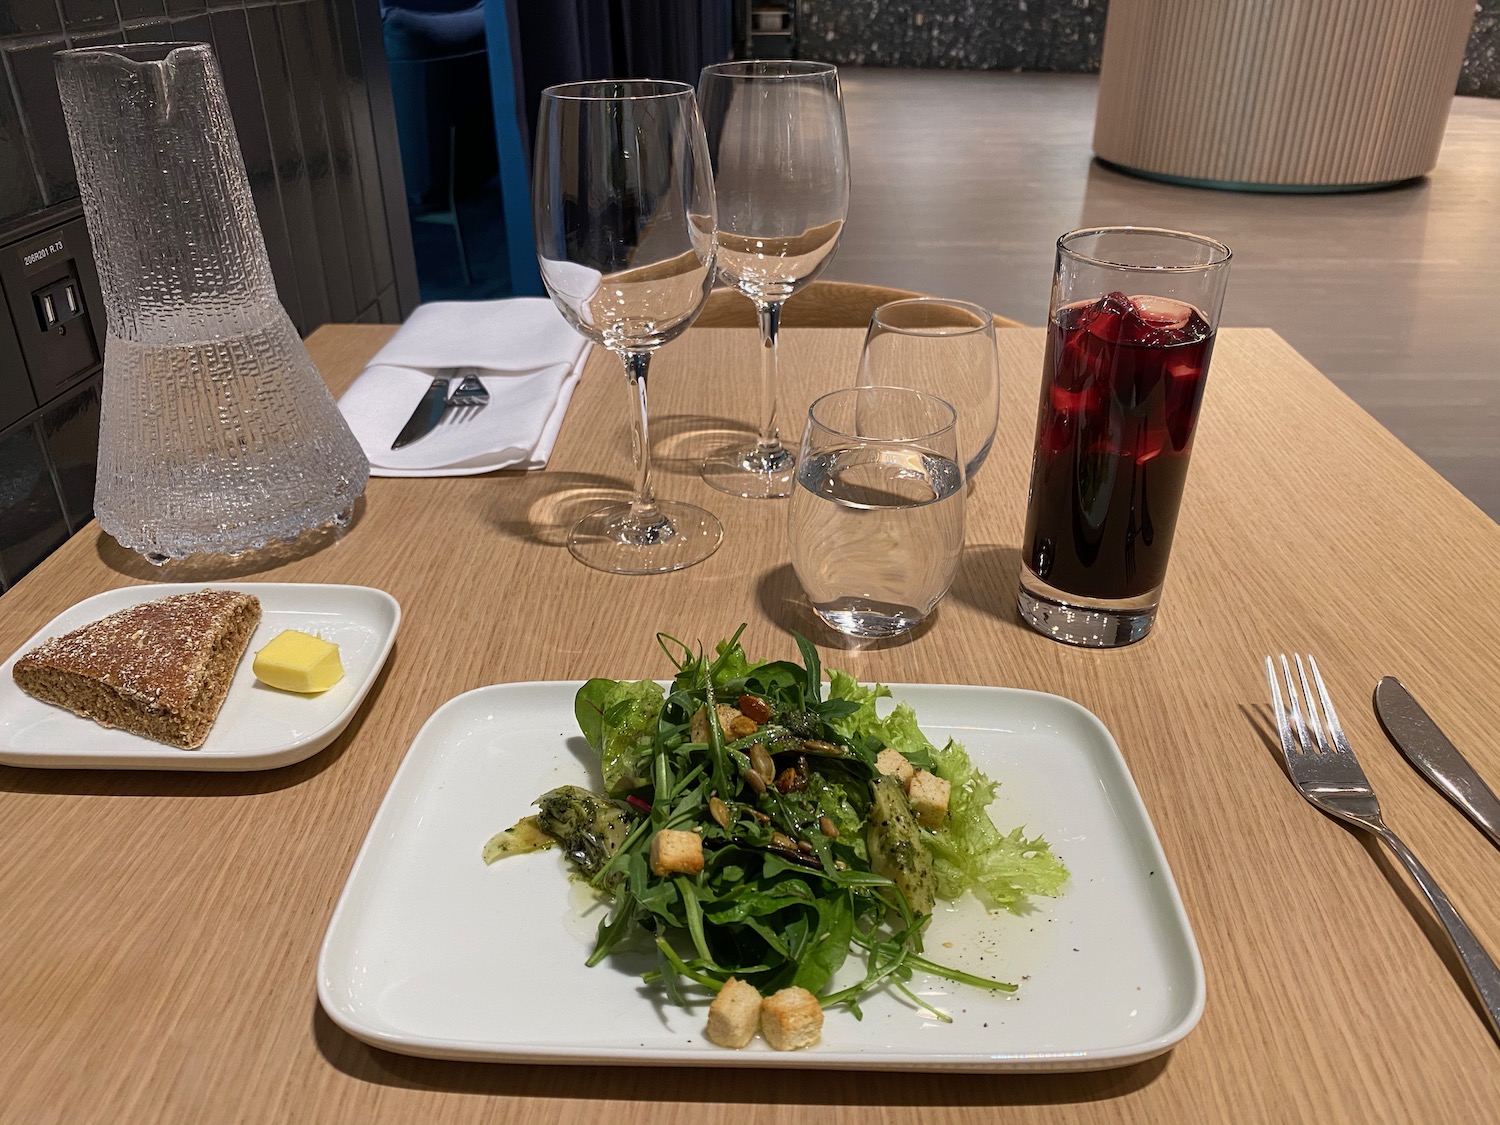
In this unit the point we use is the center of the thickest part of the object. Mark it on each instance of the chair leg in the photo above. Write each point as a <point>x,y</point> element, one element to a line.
<point>458,232</point>
<point>463,260</point>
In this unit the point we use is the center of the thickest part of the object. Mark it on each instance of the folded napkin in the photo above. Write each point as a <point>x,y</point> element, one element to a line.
<point>529,359</point>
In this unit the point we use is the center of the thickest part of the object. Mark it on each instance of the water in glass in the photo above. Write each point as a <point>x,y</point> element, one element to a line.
<point>876,524</point>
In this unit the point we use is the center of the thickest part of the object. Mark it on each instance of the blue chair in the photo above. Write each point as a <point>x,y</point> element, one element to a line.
<point>512,136</point>
<point>440,84</point>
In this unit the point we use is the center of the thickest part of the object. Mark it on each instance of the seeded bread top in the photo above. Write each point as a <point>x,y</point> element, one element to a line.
<point>156,653</point>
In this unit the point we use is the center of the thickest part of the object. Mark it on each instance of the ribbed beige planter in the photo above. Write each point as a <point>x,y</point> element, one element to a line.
<point>1279,95</point>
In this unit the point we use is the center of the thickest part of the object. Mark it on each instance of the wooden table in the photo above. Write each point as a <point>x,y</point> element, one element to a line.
<point>161,929</point>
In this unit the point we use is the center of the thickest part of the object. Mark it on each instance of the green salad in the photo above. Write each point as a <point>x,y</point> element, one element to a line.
<point>762,825</point>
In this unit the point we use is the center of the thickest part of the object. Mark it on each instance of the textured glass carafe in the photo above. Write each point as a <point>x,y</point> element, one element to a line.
<point>217,434</point>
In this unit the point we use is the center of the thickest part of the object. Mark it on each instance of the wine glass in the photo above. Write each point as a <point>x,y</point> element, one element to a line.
<point>623,207</point>
<point>781,174</point>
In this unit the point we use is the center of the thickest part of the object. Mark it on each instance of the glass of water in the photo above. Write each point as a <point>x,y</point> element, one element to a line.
<point>877,514</point>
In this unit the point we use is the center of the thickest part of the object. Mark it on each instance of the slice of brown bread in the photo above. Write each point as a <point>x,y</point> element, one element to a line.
<point>159,669</point>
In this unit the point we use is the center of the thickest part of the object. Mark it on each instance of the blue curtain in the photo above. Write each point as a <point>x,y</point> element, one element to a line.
<point>581,40</point>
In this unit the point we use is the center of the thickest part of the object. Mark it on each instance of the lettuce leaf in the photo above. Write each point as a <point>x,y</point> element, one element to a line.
<point>841,685</point>
<point>618,718</point>
<point>731,663</point>
<point>897,730</point>
<point>968,851</point>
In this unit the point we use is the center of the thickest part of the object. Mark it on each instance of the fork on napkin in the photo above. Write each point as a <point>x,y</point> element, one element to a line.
<point>529,360</point>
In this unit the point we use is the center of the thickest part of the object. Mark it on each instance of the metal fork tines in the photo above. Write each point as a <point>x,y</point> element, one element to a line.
<point>469,399</point>
<point>1322,766</point>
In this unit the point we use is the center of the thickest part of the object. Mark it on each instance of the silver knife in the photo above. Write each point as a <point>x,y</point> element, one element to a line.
<point>425,417</point>
<point>1436,759</point>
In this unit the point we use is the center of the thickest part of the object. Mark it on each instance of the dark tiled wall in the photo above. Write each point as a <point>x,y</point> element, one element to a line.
<point>307,86</point>
<point>47,479</point>
<point>1480,75</point>
<point>1065,35</point>
<point>1059,35</point>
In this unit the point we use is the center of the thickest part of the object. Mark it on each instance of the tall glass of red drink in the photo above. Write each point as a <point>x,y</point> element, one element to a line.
<point>1131,329</point>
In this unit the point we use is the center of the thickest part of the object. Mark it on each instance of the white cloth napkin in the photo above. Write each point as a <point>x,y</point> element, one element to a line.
<point>529,359</point>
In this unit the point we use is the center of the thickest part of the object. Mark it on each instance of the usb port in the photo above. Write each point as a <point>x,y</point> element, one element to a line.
<point>71,296</point>
<point>48,310</point>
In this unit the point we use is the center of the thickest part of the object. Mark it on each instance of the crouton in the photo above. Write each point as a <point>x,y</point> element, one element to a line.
<point>734,1016</point>
<point>893,763</point>
<point>791,1019</point>
<point>928,796</point>
<point>676,853</point>
<point>698,726</point>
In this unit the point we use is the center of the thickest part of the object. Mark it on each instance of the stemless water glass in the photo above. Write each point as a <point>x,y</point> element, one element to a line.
<point>877,518</point>
<point>946,348</point>
<point>623,206</point>
<point>781,172</point>
<point>1131,330</point>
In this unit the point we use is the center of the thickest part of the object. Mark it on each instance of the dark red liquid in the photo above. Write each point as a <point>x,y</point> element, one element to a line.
<point>1120,394</point>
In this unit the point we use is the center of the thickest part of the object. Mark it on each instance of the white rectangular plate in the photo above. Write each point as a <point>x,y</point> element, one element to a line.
<point>258,728</point>
<point>432,953</point>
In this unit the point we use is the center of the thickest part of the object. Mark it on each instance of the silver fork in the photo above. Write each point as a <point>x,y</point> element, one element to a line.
<point>469,399</point>
<point>1324,769</point>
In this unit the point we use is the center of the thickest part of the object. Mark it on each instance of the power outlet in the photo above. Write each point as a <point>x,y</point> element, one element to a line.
<point>52,292</point>
<point>58,303</point>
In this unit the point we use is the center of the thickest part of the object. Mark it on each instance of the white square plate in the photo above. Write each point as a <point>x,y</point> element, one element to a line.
<point>432,953</point>
<point>258,728</point>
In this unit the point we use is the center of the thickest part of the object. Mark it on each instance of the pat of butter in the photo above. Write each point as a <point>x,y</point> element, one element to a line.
<point>300,662</point>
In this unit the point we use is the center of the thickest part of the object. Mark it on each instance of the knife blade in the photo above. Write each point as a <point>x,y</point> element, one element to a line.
<point>425,417</point>
<point>1438,760</point>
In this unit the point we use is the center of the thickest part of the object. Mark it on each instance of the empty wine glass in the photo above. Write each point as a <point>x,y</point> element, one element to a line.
<point>623,206</point>
<point>781,174</point>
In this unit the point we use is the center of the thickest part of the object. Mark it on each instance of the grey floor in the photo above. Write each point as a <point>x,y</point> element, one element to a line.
<point>963,180</point>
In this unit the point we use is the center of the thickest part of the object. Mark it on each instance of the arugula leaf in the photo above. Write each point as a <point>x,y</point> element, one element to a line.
<point>834,709</point>
<point>814,666</point>
<point>829,947</point>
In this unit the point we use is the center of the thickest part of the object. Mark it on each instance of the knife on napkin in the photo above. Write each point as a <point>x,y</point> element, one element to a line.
<point>425,417</point>
<point>1438,760</point>
<point>528,358</point>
